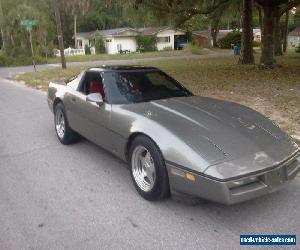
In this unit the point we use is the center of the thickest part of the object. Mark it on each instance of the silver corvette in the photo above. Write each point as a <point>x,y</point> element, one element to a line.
<point>175,142</point>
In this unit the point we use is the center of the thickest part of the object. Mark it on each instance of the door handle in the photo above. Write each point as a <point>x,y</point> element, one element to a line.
<point>73,99</point>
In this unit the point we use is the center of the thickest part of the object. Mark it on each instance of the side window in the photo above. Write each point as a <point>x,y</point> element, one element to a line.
<point>74,81</point>
<point>83,84</point>
<point>90,83</point>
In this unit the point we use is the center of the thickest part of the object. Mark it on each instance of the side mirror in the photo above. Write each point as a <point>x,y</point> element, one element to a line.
<point>96,98</point>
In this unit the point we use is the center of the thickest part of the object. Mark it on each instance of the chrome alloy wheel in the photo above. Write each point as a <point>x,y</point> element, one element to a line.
<point>60,123</point>
<point>143,169</point>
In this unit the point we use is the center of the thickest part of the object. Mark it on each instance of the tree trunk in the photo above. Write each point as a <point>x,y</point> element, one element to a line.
<point>12,40</point>
<point>277,35</point>
<point>246,56</point>
<point>214,35</point>
<point>209,38</point>
<point>59,34</point>
<point>267,56</point>
<point>2,26</point>
<point>3,39</point>
<point>285,31</point>
<point>260,17</point>
<point>75,31</point>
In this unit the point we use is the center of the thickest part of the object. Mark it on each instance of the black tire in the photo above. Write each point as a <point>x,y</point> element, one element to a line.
<point>69,136</point>
<point>161,187</point>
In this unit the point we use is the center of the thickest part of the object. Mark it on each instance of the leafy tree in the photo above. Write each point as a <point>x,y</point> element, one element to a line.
<point>56,7</point>
<point>77,8</point>
<point>232,38</point>
<point>99,45</point>
<point>297,18</point>
<point>87,50</point>
<point>215,18</point>
<point>229,11</point>
<point>17,35</point>
<point>146,43</point>
<point>285,31</point>
<point>272,11</point>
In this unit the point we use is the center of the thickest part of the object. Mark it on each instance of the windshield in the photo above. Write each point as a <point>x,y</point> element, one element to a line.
<point>141,86</point>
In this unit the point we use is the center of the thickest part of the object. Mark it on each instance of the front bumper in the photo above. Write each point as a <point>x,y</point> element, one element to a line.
<point>184,182</point>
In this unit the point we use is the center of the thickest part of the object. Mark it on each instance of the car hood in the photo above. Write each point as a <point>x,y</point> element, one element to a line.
<point>222,131</point>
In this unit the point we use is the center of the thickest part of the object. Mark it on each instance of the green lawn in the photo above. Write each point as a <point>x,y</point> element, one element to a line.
<point>87,58</point>
<point>275,93</point>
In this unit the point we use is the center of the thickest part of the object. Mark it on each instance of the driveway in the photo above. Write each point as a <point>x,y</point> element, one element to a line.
<point>81,197</point>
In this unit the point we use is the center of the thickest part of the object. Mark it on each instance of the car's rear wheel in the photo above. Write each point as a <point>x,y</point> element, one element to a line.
<point>148,169</point>
<point>64,133</point>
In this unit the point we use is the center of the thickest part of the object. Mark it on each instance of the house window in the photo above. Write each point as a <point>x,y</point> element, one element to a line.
<point>165,39</point>
<point>108,40</point>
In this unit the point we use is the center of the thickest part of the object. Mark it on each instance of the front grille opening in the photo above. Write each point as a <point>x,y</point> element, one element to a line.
<point>249,187</point>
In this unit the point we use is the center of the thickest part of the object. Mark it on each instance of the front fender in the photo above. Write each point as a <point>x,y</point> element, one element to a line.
<point>174,148</point>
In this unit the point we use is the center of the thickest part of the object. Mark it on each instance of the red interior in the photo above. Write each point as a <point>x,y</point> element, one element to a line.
<point>96,87</point>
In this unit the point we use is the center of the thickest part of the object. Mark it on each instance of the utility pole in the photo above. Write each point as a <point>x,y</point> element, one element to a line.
<point>209,37</point>
<point>75,31</point>
<point>59,34</point>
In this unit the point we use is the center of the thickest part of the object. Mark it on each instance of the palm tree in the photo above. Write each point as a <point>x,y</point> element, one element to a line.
<point>77,8</point>
<point>59,33</point>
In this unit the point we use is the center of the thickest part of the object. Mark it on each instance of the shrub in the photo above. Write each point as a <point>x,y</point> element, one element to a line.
<point>169,48</point>
<point>298,48</point>
<point>256,44</point>
<point>5,60</point>
<point>20,60</point>
<point>99,45</point>
<point>193,49</point>
<point>87,50</point>
<point>146,43</point>
<point>231,38</point>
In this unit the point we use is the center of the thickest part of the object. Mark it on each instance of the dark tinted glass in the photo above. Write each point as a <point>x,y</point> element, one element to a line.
<point>141,86</point>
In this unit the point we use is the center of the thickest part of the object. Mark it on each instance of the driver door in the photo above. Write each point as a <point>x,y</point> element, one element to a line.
<point>90,119</point>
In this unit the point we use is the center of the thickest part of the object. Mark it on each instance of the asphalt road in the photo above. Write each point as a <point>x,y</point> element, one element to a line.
<point>81,197</point>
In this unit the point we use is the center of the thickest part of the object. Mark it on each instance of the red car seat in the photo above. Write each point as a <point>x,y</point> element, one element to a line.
<point>96,87</point>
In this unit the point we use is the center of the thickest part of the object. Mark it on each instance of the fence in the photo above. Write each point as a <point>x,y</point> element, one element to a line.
<point>70,52</point>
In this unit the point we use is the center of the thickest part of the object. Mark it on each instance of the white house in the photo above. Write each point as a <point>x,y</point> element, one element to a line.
<point>115,40</point>
<point>257,35</point>
<point>166,36</point>
<point>294,38</point>
<point>124,39</point>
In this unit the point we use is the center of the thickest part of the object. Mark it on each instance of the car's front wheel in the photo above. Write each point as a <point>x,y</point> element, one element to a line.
<point>148,169</point>
<point>64,133</point>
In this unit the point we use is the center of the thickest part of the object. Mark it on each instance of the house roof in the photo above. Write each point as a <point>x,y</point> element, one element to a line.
<point>119,31</point>
<point>115,32</point>
<point>200,33</point>
<point>204,33</point>
<point>109,32</point>
<point>152,30</point>
<point>295,32</point>
<point>86,35</point>
<point>155,30</point>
